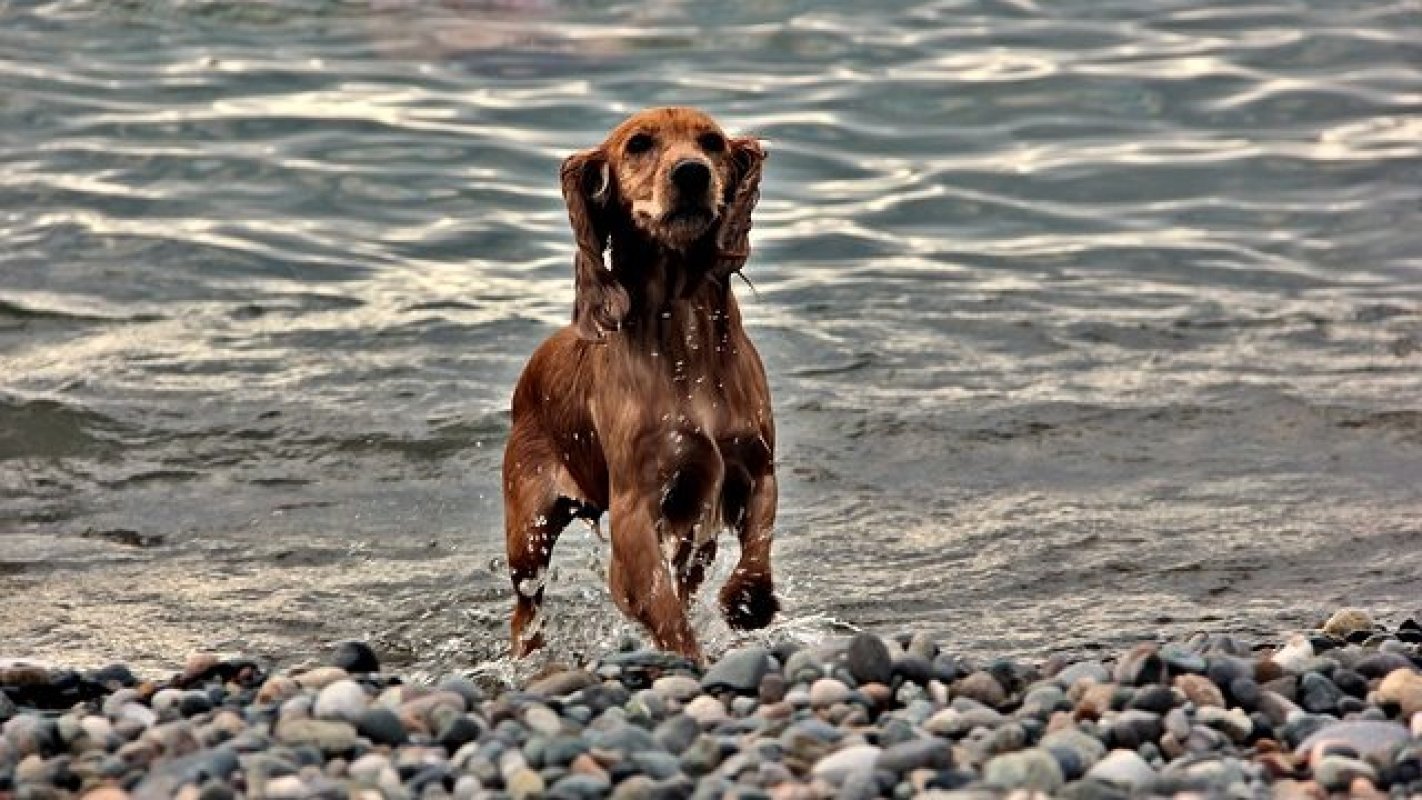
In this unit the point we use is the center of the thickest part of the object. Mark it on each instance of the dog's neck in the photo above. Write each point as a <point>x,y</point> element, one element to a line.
<point>678,306</point>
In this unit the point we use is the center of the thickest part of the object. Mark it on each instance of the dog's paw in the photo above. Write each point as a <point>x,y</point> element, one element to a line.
<point>749,602</point>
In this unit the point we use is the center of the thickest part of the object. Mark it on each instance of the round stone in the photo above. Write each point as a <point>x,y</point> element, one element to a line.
<point>381,726</point>
<point>1033,769</point>
<point>706,710</point>
<point>1123,768</point>
<point>826,692</point>
<point>840,764</point>
<point>982,687</point>
<point>1347,621</point>
<point>869,660</point>
<point>738,671</point>
<point>677,687</point>
<point>355,658</point>
<point>343,699</point>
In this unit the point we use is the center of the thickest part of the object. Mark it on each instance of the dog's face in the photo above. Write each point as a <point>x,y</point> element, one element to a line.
<point>665,173</point>
<point>670,168</point>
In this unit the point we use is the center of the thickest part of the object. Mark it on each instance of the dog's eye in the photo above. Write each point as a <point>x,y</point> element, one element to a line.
<point>712,142</point>
<point>638,144</point>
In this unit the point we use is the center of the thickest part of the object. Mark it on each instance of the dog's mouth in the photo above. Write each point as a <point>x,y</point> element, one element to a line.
<point>689,215</point>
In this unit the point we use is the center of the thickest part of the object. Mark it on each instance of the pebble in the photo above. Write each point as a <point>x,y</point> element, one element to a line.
<point>868,659</point>
<point>1034,770</point>
<point>738,671</point>
<point>1200,690</point>
<point>1123,768</point>
<point>827,692</point>
<point>342,699</point>
<point>837,766</point>
<point>1093,671</point>
<point>1346,621</point>
<point>320,677</point>
<point>680,688</point>
<point>1337,773</point>
<point>562,684</point>
<point>1293,655</point>
<point>982,687</point>
<point>706,710</point>
<point>1140,666</point>
<point>1403,688</point>
<point>1371,739</point>
<point>355,658</point>
<point>330,736</point>
<point>905,757</point>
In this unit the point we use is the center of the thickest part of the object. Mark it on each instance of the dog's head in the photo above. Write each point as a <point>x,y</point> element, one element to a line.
<point>667,175</point>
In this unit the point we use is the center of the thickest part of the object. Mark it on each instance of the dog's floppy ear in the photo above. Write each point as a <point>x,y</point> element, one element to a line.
<point>600,303</point>
<point>742,193</point>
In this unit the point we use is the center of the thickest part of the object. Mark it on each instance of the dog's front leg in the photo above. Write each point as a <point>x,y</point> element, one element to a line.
<point>640,579</point>
<point>748,599</point>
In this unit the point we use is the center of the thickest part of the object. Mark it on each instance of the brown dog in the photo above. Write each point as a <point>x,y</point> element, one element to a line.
<point>653,404</point>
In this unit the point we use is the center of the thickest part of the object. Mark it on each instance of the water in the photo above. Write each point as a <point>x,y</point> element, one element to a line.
<point>1086,321</point>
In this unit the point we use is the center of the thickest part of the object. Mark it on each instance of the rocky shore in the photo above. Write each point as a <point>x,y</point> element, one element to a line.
<point>1332,711</point>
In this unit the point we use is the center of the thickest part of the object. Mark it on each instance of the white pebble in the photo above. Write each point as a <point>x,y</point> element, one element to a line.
<point>1291,657</point>
<point>706,710</point>
<point>343,699</point>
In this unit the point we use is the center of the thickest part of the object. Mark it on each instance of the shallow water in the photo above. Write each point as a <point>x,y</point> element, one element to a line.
<point>1086,321</point>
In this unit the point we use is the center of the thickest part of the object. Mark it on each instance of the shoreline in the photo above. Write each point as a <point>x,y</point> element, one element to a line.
<point>1336,710</point>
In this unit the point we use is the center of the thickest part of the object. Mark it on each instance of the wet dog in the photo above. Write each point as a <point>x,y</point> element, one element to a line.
<point>652,405</point>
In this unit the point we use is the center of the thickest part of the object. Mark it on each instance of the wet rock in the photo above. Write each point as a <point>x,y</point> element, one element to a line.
<point>1402,688</point>
<point>355,658</point>
<point>1371,739</point>
<point>1155,698</point>
<point>562,684</point>
<point>1141,666</point>
<point>1134,727</point>
<point>1379,665</point>
<point>707,711</point>
<point>1087,749</point>
<point>1318,694</point>
<point>1123,768</point>
<point>320,677</point>
<point>934,753</point>
<point>1347,621</point>
<point>524,784</point>
<point>738,671</point>
<point>381,726</point>
<point>1180,659</point>
<point>1034,769</point>
<point>580,787</point>
<point>982,687</point>
<point>869,660</point>
<point>677,687</point>
<point>1093,671</point>
<point>1200,690</point>
<point>1337,773</point>
<point>458,732</point>
<point>343,699</point>
<point>826,692</point>
<point>330,736</point>
<point>836,766</point>
<point>1294,654</point>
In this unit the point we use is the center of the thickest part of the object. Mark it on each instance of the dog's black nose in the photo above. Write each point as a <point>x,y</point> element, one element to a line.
<point>691,176</point>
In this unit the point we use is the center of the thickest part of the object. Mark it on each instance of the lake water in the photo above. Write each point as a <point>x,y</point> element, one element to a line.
<point>1086,321</point>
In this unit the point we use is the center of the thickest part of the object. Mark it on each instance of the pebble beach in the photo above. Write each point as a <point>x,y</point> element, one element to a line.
<point>1331,711</point>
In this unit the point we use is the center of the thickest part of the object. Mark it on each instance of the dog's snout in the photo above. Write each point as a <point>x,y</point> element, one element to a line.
<point>691,176</point>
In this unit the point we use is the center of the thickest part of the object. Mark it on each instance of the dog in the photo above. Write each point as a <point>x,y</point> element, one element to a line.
<point>652,405</point>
